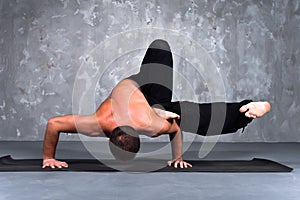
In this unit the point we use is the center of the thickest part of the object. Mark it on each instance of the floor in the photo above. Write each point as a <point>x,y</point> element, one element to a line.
<point>123,185</point>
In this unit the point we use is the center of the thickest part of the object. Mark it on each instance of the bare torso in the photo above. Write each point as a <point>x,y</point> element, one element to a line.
<point>126,105</point>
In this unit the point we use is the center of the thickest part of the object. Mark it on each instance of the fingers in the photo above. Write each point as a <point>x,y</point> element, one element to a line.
<point>182,164</point>
<point>179,163</point>
<point>188,165</point>
<point>52,163</point>
<point>45,165</point>
<point>64,164</point>
<point>176,163</point>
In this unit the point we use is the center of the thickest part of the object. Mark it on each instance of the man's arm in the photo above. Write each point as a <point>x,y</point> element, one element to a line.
<point>51,137</point>
<point>175,135</point>
<point>69,124</point>
<point>176,144</point>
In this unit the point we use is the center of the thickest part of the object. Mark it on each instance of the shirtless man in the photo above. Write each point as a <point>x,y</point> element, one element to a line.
<point>141,104</point>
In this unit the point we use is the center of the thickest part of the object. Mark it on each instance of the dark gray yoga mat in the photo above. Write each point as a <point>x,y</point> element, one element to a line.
<point>8,164</point>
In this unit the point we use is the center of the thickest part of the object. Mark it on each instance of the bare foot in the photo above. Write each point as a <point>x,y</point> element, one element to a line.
<point>256,109</point>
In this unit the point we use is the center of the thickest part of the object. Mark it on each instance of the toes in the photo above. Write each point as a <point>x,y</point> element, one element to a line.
<point>250,115</point>
<point>244,108</point>
<point>247,114</point>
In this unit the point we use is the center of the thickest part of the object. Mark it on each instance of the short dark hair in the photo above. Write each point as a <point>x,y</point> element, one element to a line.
<point>124,143</point>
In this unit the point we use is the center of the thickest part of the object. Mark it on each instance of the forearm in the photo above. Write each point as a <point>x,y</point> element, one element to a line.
<point>176,143</point>
<point>175,135</point>
<point>50,142</point>
<point>54,127</point>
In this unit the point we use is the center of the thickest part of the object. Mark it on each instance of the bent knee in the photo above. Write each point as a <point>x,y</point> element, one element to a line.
<point>160,44</point>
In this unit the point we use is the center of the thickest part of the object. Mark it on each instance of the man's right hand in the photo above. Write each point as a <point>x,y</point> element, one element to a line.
<point>53,163</point>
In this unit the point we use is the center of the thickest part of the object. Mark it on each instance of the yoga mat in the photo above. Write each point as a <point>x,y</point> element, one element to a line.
<point>8,164</point>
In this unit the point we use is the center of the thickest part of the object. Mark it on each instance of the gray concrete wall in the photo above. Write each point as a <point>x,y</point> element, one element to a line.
<point>254,44</point>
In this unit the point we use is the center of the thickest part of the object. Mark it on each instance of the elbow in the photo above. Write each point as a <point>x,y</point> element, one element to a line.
<point>143,122</point>
<point>152,129</point>
<point>52,124</point>
<point>163,129</point>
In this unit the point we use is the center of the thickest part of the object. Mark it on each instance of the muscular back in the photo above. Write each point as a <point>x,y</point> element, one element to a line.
<point>126,105</point>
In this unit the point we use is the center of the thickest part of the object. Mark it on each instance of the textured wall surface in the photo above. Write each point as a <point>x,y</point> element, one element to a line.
<point>254,44</point>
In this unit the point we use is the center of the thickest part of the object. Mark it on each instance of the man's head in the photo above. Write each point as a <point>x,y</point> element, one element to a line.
<point>124,143</point>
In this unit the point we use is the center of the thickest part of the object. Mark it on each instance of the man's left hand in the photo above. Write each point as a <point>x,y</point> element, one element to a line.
<point>179,163</point>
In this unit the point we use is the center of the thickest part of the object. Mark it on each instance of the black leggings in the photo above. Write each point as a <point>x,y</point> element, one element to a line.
<point>156,80</point>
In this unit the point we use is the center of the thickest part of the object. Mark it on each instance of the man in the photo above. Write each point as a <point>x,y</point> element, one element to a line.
<point>141,104</point>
